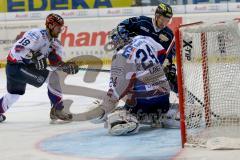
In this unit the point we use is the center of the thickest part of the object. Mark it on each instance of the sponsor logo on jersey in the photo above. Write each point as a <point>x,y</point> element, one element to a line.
<point>138,43</point>
<point>33,35</point>
<point>155,69</point>
<point>144,28</point>
<point>163,37</point>
<point>128,51</point>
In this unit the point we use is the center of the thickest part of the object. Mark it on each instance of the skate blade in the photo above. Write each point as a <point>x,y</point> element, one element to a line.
<point>56,121</point>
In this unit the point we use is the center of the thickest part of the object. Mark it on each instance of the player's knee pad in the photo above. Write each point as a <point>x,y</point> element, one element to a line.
<point>121,122</point>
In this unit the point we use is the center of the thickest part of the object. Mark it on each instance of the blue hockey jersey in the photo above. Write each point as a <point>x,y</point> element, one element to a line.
<point>145,26</point>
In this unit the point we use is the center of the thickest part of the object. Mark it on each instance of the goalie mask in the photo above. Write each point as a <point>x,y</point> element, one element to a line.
<point>119,37</point>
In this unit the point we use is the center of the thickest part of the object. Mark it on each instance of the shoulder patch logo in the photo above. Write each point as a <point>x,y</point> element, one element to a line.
<point>33,35</point>
<point>144,28</point>
<point>163,37</point>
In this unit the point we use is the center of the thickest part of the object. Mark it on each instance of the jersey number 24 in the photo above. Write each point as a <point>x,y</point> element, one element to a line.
<point>146,57</point>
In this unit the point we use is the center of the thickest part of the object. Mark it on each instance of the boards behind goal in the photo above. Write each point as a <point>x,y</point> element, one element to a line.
<point>208,60</point>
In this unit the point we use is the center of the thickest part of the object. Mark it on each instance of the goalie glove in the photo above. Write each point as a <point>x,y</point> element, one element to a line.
<point>69,68</point>
<point>40,61</point>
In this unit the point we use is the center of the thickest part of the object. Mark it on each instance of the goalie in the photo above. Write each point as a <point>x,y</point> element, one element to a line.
<point>137,74</point>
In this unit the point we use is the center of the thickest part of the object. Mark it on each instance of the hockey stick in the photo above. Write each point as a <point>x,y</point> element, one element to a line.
<point>107,70</point>
<point>82,69</point>
<point>201,103</point>
<point>94,69</point>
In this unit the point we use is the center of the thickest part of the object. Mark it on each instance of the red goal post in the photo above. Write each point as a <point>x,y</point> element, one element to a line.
<point>208,60</point>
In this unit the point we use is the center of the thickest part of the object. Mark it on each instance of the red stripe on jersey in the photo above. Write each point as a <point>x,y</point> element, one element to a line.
<point>161,52</point>
<point>10,58</point>
<point>129,87</point>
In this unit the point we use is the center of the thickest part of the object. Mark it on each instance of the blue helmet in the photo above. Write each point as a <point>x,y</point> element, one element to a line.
<point>119,37</point>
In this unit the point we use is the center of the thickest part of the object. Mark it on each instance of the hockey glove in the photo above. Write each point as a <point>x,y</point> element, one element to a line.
<point>70,68</point>
<point>170,71</point>
<point>40,61</point>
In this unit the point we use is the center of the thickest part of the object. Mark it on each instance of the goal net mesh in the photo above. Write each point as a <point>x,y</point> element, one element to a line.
<point>210,55</point>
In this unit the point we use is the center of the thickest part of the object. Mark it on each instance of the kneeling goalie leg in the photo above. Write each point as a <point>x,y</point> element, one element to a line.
<point>121,122</point>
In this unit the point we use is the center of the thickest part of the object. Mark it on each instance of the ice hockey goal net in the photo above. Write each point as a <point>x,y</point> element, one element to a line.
<point>208,60</point>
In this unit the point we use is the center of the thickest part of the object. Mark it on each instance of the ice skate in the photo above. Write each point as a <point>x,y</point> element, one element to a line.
<point>57,113</point>
<point>2,118</point>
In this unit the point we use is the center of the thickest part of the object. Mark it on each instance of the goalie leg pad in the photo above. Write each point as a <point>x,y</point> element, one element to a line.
<point>121,122</point>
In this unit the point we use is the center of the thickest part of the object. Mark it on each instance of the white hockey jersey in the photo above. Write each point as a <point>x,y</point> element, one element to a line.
<point>137,72</point>
<point>35,40</point>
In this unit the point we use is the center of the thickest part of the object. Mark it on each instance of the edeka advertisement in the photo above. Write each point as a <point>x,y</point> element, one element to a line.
<point>45,5</point>
<point>80,36</point>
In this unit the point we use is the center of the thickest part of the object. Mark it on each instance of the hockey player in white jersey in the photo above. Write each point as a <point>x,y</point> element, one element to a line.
<point>137,74</point>
<point>27,63</point>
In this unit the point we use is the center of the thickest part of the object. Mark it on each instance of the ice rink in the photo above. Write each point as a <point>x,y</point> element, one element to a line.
<point>28,135</point>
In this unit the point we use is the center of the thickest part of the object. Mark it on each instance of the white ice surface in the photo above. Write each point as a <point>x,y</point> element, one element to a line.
<point>27,131</point>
